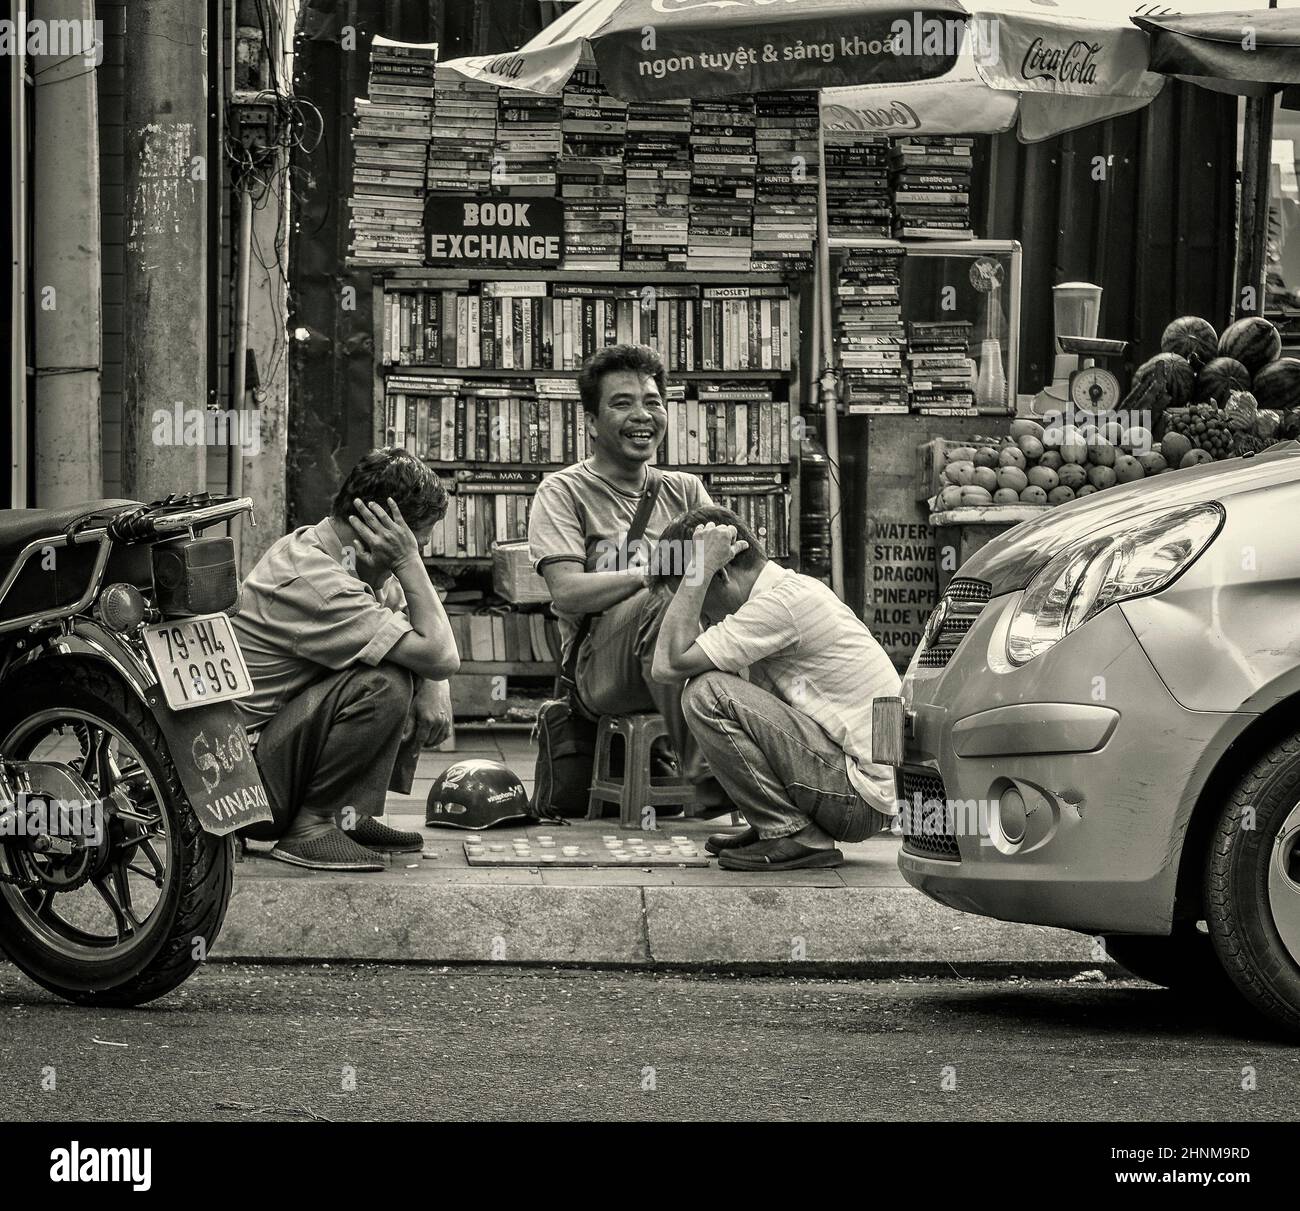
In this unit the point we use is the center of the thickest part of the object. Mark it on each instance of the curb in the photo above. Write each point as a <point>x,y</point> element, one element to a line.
<point>769,928</point>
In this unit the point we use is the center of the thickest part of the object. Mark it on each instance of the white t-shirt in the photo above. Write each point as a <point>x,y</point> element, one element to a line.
<point>802,643</point>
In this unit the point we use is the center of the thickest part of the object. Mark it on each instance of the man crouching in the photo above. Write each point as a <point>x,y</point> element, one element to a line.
<point>349,650</point>
<point>792,745</point>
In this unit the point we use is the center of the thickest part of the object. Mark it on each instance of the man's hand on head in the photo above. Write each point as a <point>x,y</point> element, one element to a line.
<point>713,547</point>
<point>384,538</point>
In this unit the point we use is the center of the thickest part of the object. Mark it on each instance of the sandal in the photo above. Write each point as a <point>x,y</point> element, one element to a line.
<point>333,850</point>
<point>376,835</point>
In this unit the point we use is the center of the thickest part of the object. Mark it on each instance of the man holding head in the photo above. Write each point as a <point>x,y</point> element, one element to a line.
<point>792,744</point>
<point>581,516</point>
<point>349,650</point>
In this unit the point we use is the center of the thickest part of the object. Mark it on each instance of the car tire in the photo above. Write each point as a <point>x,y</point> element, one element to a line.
<point>1252,885</point>
<point>1184,962</point>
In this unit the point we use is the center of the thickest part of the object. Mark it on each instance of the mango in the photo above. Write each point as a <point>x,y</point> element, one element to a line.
<point>1052,459</point>
<point>1030,447</point>
<point>1043,477</point>
<point>986,478</point>
<point>1013,478</point>
<point>986,456</point>
<point>1086,490</point>
<point>1072,476</point>
<point>950,497</point>
<point>1024,427</point>
<point>1102,454</point>
<point>1194,458</point>
<point>961,454</point>
<point>973,496</point>
<point>1137,440</point>
<point>1006,496</point>
<point>1101,476</point>
<point>962,473</point>
<point>1173,446</point>
<point>1011,456</point>
<point>1074,449</point>
<point>1060,495</point>
<point>1033,495</point>
<point>1153,462</point>
<point>1128,469</point>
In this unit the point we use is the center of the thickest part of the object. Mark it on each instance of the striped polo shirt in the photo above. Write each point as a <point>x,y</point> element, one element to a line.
<point>803,644</point>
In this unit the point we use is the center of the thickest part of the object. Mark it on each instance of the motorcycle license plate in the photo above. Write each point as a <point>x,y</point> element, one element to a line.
<point>198,661</point>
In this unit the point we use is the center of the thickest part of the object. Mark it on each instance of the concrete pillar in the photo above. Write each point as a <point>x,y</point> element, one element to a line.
<point>66,263</point>
<point>165,270</point>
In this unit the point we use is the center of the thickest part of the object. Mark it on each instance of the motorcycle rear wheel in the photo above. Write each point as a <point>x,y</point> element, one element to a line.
<point>153,953</point>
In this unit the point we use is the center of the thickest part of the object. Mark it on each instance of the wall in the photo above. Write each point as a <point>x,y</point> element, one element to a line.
<point>1157,233</point>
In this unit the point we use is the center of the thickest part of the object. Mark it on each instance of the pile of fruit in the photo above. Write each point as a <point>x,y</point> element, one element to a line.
<point>1038,466</point>
<point>1226,395</point>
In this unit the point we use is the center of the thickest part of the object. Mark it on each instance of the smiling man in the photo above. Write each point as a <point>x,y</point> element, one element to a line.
<point>579,519</point>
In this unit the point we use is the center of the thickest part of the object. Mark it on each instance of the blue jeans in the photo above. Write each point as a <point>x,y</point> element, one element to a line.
<point>776,764</point>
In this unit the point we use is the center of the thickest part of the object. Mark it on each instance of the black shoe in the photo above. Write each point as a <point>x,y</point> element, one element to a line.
<point>330,851</point>
<point>720,841</point>
<point>379,837</point>
<point>780,853</point>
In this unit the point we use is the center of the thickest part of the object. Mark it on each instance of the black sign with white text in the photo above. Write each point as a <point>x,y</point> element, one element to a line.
<point>491,232</point>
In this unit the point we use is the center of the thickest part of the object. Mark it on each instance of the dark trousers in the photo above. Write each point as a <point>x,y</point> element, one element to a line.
<point>613,678</point>
<point>338,745</point>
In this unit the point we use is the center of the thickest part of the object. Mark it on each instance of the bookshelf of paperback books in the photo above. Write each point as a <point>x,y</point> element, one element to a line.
<point>689,226</point>
<point>476,372</point>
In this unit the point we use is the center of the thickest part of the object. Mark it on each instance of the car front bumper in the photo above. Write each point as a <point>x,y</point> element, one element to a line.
<point>1066,783</point>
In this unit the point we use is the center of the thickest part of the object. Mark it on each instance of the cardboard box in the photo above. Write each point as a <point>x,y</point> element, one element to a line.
<point>513,576</point>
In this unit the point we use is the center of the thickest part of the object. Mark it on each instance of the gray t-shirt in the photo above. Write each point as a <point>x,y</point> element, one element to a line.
<point>580,517</point>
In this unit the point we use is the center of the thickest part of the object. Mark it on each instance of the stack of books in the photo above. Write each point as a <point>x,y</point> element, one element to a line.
<point>761,499</point>
<point>931,181</point>
<point>724,168</point>
<point>389,142</point>
<point>500,634</point>
<point>727,424</point>
<point>657,168</point>
<point>527,147</point>
<point>591,173</point>
<point>870,337</point>
<point>785,196</point>
<point>942,371</point>
<point>464,133</point>
<point>858,202</point>
<point>485,506</point>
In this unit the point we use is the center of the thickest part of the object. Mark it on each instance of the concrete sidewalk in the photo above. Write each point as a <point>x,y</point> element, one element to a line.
<point>440,910</point>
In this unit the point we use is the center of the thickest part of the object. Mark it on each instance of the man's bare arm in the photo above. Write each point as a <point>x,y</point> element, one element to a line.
<point>575,591</point>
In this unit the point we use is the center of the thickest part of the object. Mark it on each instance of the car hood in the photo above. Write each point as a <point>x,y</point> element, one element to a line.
<point>1010,561</point>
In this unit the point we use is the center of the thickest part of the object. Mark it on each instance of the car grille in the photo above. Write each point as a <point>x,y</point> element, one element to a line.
<point>919,788</point>
<point>965,600</point>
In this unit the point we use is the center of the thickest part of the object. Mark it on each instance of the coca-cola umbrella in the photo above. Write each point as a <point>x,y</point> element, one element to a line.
<point>672,49</point>
<point>1038,68</point>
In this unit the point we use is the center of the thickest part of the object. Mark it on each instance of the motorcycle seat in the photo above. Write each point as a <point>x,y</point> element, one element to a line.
<point>18,527</point>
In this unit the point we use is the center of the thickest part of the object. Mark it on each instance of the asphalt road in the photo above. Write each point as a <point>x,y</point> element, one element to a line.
<point>404,1043</point>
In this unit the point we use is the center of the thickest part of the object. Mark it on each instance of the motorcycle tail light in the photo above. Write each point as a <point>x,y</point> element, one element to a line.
<point>197,576</point>
<point>121,608</point>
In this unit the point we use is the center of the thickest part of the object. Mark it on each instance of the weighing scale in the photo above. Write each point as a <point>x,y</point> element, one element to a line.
<point>1091,388</point>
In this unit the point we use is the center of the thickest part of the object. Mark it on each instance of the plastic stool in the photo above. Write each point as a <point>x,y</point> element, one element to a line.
<point>635,789</point>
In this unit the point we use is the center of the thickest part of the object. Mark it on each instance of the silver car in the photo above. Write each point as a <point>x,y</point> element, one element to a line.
<point>1101,729</point>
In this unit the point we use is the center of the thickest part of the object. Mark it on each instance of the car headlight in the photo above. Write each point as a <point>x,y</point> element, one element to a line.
<point>1132,558</point>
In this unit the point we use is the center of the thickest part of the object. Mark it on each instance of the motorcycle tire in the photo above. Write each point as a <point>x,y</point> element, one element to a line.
<point>197,883</point>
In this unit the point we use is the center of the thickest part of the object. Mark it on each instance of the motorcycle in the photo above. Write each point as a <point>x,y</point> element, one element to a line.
<point>124,768</point>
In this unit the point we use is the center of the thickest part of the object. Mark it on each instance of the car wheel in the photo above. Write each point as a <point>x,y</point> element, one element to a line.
<point>1183,962</point>
<point>1252,885</point>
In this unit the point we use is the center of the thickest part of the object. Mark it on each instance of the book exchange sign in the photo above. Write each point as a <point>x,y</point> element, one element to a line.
<point>494,233</point>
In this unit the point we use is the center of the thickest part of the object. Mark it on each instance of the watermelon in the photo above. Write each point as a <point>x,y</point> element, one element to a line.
<point>1191,337</point>
<point>1173,372</point>
<point>1220,376</point>
<point>1253,341</point>
<point>1277,385</point>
